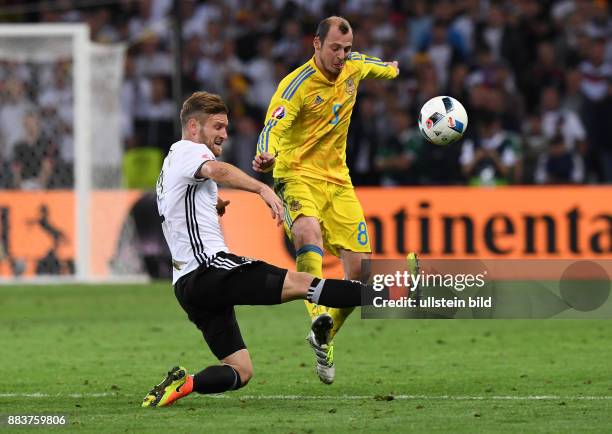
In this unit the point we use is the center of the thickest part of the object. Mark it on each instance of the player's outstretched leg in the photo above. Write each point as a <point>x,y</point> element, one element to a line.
<point>328,292</point>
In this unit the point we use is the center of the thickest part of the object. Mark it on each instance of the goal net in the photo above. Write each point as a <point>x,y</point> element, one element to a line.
<point>64,213</point>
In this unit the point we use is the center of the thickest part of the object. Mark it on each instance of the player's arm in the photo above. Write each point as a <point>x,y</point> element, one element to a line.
<point>284,108</point>
<point>231,176</point>
<point>373,67</point>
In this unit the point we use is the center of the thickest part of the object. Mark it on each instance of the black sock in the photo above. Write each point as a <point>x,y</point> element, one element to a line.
<point>216,379</point>
<point>335,292</point>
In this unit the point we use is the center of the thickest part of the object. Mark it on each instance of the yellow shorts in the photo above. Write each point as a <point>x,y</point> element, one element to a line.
<point>336,207</point>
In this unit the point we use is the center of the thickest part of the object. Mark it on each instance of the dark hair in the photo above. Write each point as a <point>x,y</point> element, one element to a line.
<point>201,103</point>
<point>324,26</point>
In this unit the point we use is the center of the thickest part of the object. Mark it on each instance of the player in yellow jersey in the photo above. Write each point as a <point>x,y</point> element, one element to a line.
<point>304,142</point>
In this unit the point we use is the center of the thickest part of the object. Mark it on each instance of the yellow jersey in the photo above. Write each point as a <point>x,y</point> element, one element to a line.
<point>308,119</point>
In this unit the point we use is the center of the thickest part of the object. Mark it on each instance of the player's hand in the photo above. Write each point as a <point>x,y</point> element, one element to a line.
<point>275,204</point>
<point>394,64</point>
<point>263,162</point>
<point>221,205</point>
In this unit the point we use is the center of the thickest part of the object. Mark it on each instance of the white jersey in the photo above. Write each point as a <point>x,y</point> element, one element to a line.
<point>188,208</point>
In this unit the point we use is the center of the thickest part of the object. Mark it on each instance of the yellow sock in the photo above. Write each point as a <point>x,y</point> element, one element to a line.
<point>339,315</point>
<point>310,260</point>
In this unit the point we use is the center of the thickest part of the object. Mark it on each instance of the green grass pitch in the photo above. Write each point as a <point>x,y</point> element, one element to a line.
<point>92,353</point>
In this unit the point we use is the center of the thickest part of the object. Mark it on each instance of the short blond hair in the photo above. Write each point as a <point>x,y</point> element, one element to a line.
<point>201,104</point>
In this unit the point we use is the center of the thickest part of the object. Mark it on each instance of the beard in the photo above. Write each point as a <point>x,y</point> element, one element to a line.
<point>215,147</point>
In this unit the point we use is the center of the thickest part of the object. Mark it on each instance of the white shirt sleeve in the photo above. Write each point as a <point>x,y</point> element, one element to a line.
<point>190,158</point>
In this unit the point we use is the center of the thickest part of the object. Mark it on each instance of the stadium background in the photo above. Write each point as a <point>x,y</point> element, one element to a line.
<point>534,76</point>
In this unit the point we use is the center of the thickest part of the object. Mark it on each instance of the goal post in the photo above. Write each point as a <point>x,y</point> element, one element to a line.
<point>82,143</point>
<point>67,229</point>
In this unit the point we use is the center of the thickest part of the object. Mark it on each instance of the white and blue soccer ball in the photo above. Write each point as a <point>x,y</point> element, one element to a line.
<point>443,120</point>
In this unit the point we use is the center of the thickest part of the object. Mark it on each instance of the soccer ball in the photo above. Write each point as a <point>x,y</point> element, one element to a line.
<point>443,120</point>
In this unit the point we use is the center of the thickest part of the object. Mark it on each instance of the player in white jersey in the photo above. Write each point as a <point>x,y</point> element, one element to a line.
<point>209,280</point>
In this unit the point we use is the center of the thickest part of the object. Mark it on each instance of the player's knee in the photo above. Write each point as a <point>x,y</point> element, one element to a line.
<point>306,230</point>
<point>246,373</point>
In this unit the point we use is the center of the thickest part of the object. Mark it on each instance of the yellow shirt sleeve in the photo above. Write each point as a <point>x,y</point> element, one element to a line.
<point>373,67</point>
<point>279,118</point>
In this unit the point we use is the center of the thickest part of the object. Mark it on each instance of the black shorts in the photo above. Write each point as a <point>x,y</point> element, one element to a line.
<point>209,293</point>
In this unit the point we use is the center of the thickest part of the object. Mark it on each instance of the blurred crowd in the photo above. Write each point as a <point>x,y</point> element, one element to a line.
<point>534,76</point>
